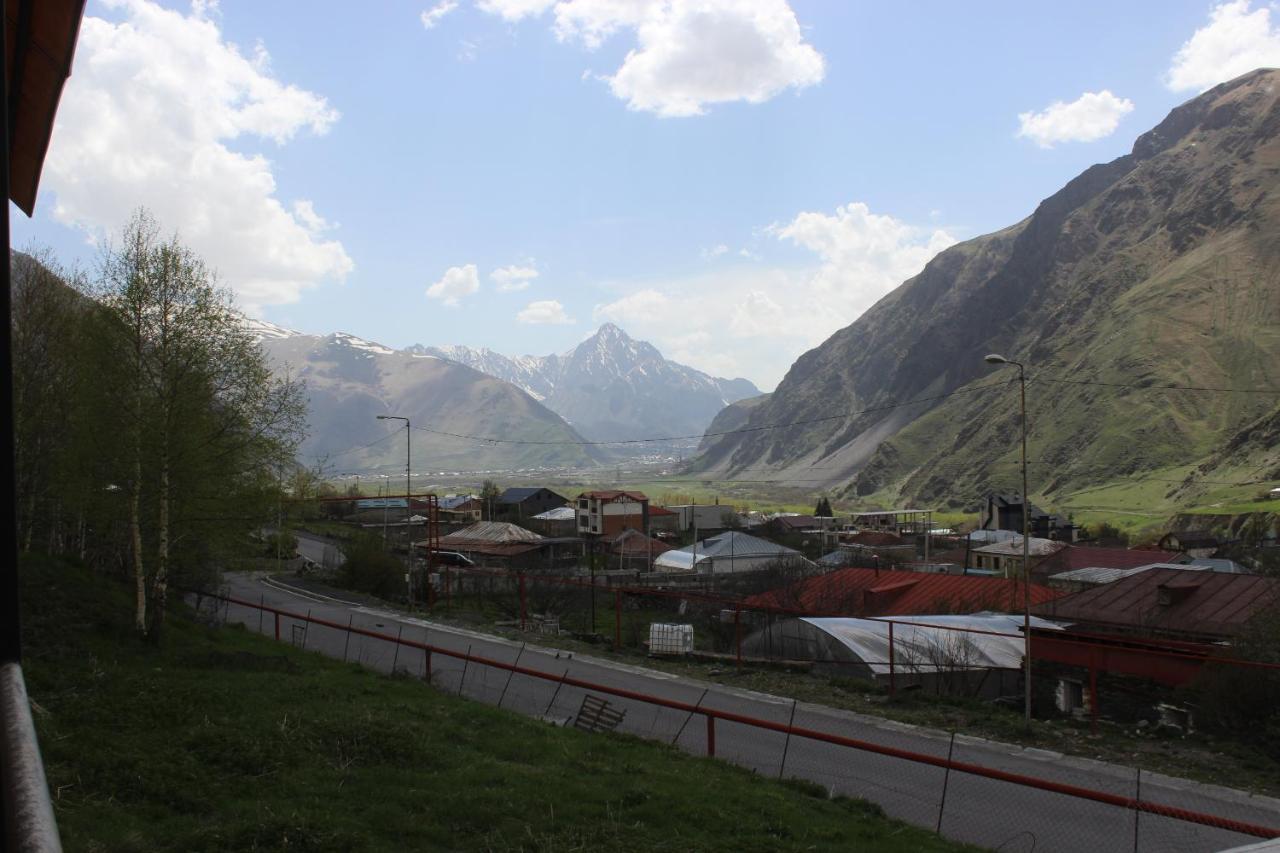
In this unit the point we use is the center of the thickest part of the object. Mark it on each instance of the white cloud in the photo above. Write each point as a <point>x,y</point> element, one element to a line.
<point>515,10</point>
<point>753,321</point>
<point>305,212</point>
<point>689,54</point>
<point>1235,41</point>
<point>714,252</point>
<point>456,283</point>
<point>1091,116</point>
<point>512,278</point>
<point>431,17</point>
<point>544,312</point>
<point>148,118</point>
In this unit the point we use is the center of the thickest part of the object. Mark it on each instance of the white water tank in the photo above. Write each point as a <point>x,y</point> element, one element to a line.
<point>669,639</point>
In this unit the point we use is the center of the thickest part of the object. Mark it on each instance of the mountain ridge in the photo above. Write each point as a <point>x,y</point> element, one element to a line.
<point>611,386</point>
<point>350,380</point>
<point>1151,269</point>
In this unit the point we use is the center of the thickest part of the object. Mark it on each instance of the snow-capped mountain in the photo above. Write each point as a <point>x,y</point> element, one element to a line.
<point>611,386</point>
<point>264,331</point>
<point>350,380</point>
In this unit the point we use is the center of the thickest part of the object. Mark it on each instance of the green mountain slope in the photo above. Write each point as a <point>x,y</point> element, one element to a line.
<point>1159,268</point>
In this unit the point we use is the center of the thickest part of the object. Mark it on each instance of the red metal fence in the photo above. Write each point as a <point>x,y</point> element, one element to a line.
<point>727,627</point>
<point>1134,803</point>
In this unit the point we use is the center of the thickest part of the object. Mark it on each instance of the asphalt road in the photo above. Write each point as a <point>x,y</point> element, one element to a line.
<point>978,810</point>
<point>319,550</point>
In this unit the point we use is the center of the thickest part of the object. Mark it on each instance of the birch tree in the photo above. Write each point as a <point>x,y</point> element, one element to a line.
<point>204,417</point>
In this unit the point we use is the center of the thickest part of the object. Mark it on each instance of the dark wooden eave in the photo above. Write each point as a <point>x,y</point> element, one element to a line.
<point>40,40</point>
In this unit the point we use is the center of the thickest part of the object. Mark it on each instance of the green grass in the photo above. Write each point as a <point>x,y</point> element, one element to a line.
<point>222,740</point>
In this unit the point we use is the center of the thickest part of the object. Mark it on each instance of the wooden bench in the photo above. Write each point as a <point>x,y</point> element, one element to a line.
<point>597,715</point>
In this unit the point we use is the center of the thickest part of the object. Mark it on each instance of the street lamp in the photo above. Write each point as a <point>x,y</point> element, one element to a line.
<point>408,461</point>
<point>995,358</point>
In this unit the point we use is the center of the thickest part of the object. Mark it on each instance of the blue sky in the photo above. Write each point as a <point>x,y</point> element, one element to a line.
<point>732,180</point>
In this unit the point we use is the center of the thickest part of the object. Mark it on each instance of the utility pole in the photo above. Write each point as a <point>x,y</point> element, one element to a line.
<point>382,493</point>
<point>408,467</point>
<point>1026,539</point>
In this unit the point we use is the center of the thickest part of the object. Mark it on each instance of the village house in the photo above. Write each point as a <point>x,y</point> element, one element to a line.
<point>611,511</point>
<point>525,502</point>
<point>499,544</point>
<point>1193,543</point>
<point>1004,512</point>
<point>631,550</point>
<point>1168,603</point>
<point>729,552</point>
<point>460,509</point>
<point>1005,558</point>
<point>560,521</point>
<point>704,518</point>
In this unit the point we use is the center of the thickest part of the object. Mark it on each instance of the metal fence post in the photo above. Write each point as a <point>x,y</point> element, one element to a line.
<point>711,735</point>
<point>277,615</point>
<point>262,600</point>
<point>1093,692</point>
<point>1137,806</point>
<point>347,644</point>
<point>617,619</point>
<point>523,603</point>
<point>737,633</point>
<point>511,673</point>
<point>466,662</point>
<point>892,674</point>
<point>946,779</point>
<point>786,746</point>
<point>395,658</point>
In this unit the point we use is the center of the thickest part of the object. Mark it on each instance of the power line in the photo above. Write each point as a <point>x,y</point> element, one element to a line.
<point>349,449</point>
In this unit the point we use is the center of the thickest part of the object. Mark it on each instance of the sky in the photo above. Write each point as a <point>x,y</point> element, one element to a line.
<point>731,180</point>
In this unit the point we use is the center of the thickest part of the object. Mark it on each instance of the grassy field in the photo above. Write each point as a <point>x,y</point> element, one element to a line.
<point>220,740</point>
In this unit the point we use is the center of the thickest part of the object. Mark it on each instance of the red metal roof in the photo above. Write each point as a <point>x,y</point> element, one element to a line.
<point>655,511</point>
<point>1084,557</point>
<point>1203,604</point>
<point>613,495</point>
<point>868,592</point>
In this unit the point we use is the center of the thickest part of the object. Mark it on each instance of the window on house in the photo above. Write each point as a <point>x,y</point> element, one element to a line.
<point>1070,695</point>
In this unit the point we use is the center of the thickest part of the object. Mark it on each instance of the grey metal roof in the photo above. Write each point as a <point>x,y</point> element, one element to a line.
<point>491,531</point>
<point>560,513</point>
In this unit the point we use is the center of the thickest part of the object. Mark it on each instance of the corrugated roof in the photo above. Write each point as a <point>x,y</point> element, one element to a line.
<point>870,592</point>
<point>517,494</point>
<point>490,532</point>
<point>735,543</point>
<point>1084,557</point>
<point>560,513</point>
<point>613,495</point>
<point>1013,547</point>
<point>1208,604</point>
